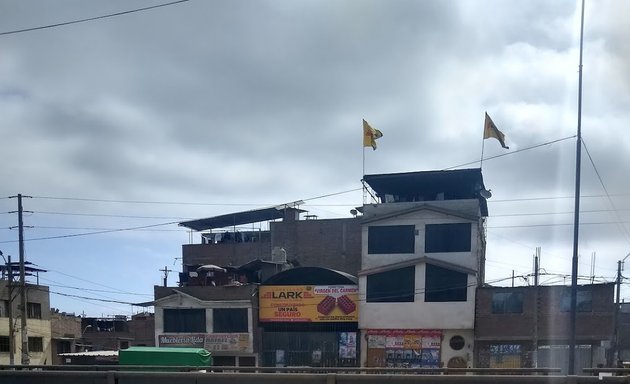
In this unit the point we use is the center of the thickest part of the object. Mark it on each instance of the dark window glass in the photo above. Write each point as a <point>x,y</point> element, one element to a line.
<point>247,361</point>
<point>391,239</point>
<point>229,320</point>
<point>507,302</point>
<point>584,301</point>
<point>4,343</point>
<point>4,308</point>
<point>33,310</point>
<point>35,344</point>
<point>184,320</point>
<point>396,286</point>
<point>445,285</point>
<point>447,237</point>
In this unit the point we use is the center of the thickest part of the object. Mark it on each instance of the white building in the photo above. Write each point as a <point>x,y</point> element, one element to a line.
<point>220,319</point>
<point>423,248</point>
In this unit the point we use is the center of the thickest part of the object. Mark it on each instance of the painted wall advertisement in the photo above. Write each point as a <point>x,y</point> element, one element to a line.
<point>214,342</point>
<point>308,303</point>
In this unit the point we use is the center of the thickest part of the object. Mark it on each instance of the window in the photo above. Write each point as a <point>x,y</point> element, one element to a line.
<point>184,320</point>
<point>35,344</point>
<point>395,286</point>
<point>229,320</point>
<point>33,311</point>
<point>507,302</point>
<point>4,308</point>
<point>391,239</point>
<point>447,238</point>
<point>4,344</point>
<point>444,285</point>
<point>584,301</point>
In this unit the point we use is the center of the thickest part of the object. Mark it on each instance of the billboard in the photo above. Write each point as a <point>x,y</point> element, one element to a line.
<point>308,303</point>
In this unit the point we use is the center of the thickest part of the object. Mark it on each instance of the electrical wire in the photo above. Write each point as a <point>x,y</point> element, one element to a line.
<point>623,228</point>
<point>91,18</point>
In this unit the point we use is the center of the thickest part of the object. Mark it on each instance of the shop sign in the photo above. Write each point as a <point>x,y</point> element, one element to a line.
<point>192,341</point>
<point>308,303</point>
<point>226,342</point>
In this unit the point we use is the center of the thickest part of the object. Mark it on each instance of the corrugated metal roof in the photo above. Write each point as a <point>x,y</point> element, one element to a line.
<point>240,218</point>
<point>90,353</point>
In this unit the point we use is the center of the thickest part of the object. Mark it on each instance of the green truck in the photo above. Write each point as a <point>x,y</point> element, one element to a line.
<point>165,357</point>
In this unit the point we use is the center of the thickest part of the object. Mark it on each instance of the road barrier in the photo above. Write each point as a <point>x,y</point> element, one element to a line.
<point>33,376</point>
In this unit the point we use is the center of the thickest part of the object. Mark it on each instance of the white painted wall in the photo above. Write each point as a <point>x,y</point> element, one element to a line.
<point>419,219</point>
<point>418,314</point>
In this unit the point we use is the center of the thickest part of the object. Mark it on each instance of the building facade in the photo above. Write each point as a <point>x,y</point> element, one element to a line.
<point>423,255</point>
<point>524,327</point>
<point>309,317</point>
<point>221,319</point>
<point>38,329</point>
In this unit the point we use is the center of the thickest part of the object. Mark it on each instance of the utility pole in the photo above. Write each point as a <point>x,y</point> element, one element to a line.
<point>166,271</point>
<point>24,333</point>
<point>10,314</point>
<point>536,304</point>
<point>617,308</point>
<point>23,307</point>
<point>10,307</point>
<point>576,212</point>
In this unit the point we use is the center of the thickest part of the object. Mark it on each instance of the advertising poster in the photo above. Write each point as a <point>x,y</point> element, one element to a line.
<point>308,303</point>
<point>347,345</point>
<point>404,348</point>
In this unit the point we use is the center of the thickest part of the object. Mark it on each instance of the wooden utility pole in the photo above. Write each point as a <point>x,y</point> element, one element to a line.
<point>166,271</point>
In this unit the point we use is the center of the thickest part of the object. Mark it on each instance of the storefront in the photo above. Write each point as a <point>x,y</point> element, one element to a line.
<point>403,348</point>
<point>309,317</point>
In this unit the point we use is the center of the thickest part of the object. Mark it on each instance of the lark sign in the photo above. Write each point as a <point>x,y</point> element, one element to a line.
<point>308,303</point>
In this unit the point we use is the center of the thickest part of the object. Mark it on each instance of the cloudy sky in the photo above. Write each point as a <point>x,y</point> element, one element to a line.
<point>208,107</point>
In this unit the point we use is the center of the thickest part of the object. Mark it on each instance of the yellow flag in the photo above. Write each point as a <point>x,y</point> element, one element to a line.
<point>491,130</point>
<point>370,135</point>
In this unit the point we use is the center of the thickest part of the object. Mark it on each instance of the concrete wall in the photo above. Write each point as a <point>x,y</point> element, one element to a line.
<point>329,243</point>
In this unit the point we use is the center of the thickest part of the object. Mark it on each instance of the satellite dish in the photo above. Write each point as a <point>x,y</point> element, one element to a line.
<point>485,193</point>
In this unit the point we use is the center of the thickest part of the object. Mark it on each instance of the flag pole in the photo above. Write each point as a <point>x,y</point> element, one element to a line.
<point>362,176</point>
<point>483,141</point>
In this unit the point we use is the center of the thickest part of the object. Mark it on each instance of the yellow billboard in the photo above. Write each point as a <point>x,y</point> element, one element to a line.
<point>308,303</point>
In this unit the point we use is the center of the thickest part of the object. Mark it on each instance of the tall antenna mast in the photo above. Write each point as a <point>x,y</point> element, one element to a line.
<point>576,213</point>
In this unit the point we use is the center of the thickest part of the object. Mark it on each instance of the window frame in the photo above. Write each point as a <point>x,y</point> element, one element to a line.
<point>33,310</point>
<point>405,295</point>
<point>391,239</point>
<point>5,346</point>
<point>224,325</point>
<point>438,238</point>
<point>35,344</point>
<point>439,293</point>
<point>175,322</point>
<point>507,305</point>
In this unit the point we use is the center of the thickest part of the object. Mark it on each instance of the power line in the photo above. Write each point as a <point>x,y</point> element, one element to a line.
<point>512,152</point>
<point>623,229</point>
<point>91,233</point>
<point>109,215</point>
<point>91,18</point>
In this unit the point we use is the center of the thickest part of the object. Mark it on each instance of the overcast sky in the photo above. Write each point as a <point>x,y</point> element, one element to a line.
<point>209,107</point>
